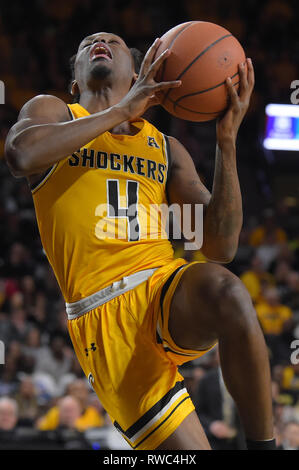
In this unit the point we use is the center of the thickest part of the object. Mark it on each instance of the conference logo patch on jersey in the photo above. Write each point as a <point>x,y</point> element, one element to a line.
<point>152,142</point>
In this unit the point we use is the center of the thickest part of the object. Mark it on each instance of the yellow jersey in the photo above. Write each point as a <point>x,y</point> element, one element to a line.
<point>95,209</point>
<point>272,318</point>
<point>90,418</point>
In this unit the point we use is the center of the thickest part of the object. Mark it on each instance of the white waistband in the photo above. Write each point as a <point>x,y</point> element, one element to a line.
<point>76,309</point>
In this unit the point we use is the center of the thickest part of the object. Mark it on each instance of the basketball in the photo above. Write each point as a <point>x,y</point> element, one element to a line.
<point>203,55</point>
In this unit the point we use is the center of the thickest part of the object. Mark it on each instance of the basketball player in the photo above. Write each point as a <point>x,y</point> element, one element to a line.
<point>136,313</point>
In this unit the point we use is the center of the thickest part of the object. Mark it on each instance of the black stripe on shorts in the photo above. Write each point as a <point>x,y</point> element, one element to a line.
<point>166,287</point>
<point>152,412</point>
<point>167,417</point>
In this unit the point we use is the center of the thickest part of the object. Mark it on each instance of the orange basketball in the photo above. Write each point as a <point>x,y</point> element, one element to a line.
<point>203,56</point>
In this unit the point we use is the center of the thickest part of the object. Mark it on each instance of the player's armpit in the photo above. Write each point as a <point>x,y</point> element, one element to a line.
<point>184,185</point>
<point>185,188</point>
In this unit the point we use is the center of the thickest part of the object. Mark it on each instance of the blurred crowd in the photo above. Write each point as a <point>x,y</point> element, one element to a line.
<point>41,384</point>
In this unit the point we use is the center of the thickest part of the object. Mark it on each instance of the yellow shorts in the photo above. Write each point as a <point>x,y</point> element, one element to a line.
<point>125,349</point>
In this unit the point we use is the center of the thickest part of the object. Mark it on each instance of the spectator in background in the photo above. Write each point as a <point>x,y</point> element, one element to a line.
<point>26,399</point>
<point>268,239</point>
<point>32,344</point>
<point>69,411</point>
<point>28,289</point>
<point>19,262</point>
<point>8,414</point>
<point>8,374</point>
<point>256,278</point>
<point>88,416</point>
<point>290,436</point>
<point>267,232</point>
<point>290,381</point>
<point>281,272</point>
<point>290,296</point>
<point>282,406</point>
<point>273,316</point>
<point>7,288</point>
<point>272,252</point>
<point>38,314</point>
<point>55,359</point>
<point>244,253</point>
<point>19,324</point>
<point>276,321</point>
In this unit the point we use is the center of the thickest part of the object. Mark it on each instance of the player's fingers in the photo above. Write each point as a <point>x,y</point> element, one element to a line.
<point>243,89</point>
<point>149,56</point>
<point>157,63</point>
<point>165,85</point>
<point>232,93</point>
<point>250,74</point>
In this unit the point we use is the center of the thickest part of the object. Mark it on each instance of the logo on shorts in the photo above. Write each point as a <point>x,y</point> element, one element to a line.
<point>92,348</point>
<point>90,379</point>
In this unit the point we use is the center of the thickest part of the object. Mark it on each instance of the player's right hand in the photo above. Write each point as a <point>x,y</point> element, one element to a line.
<point>142,94</point>
<point>228,125</point>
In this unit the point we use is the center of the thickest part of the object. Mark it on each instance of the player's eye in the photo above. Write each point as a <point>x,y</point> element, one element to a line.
<point>113,41</point>
<point>86,45</point>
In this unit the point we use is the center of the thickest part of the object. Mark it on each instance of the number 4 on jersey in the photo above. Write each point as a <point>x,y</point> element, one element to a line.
<point>130,212</point>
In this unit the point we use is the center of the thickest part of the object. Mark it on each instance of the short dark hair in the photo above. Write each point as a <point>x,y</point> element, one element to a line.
<point>137,57</point>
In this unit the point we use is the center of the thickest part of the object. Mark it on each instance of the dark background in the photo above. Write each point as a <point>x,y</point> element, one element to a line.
<point>37,38</point>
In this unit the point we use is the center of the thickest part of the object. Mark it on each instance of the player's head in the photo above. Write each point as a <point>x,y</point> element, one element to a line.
<point>104,59</point>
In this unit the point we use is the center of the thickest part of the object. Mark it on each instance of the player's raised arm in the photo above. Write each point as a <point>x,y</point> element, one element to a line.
<point>223,208</point>
<point>44,133</point>
<point>224,216</point>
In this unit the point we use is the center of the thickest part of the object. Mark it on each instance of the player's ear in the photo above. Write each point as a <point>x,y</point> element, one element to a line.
<point>135,76</point>
<point>75,88</point>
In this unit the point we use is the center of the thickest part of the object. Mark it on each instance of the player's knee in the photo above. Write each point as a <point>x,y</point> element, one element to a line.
<point>234,306</point>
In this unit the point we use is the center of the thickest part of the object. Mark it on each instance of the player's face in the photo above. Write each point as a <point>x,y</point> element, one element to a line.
<point>104,56</point>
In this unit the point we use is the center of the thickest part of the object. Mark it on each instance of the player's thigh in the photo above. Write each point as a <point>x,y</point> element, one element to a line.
<point>197,303</point>
<point>188,436</point>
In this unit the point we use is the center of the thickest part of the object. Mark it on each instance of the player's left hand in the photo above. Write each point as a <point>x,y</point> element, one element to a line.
<point>228,125</point>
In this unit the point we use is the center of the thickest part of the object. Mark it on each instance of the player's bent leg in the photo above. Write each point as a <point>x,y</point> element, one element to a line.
<point>210,304</point>
<point>188,436</point>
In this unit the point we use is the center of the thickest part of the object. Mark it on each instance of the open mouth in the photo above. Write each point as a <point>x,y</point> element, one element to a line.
<point>100,50</point>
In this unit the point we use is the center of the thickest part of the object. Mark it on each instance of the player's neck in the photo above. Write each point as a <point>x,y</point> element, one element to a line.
<point>94,102</point>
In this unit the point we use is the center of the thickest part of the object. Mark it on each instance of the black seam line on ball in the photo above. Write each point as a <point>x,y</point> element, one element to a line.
<point>195,59</point>
<point>171,44</point>
<point>198,112</point>
<point>176,103</point>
